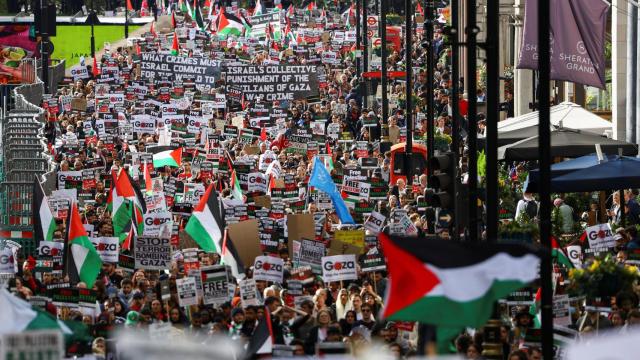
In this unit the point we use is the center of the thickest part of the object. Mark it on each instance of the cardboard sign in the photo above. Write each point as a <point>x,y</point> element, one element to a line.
<point>215,285</point>
<point>248,293</point>
<point>600,236</point>
<point>339,268</point>
<point>41,344</point>
<point>339,248</point>
<point>152,253</point>
<point>246,239</point>
<point>268,268</point>
<point>187,293</point>
<point>375,222</point>
<point>353,237</point>
<point>107,248</point>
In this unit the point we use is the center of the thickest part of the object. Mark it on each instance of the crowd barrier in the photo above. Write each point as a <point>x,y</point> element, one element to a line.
<point>24,157</point>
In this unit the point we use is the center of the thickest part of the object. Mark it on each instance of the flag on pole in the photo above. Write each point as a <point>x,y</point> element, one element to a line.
<point>147,179</point>
<point>258,9</point>
<point>198,18</point>
<point>419,9</point>
<point>558,254</point>
<point>94,70</point>
<point>153,29</point>
<point>262,340</point>
<point>321,180</point>
<point>120,209</point>
<point>175,45</point>
<point>171,158</point>
<point>82,259</point>
<point>235,186</point>
<point>43,221</point>
<point>229,24</point>
<point>18,316</point>
<point>206,226</point>
<point>129,6</point>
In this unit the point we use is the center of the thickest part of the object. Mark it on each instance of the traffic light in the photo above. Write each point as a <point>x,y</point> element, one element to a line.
<point>442,181</point>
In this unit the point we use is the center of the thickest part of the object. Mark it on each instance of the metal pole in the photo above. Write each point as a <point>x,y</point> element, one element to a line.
<point>472,32</point>
<point>408,12</point>
<point>455,112</point>
<point>358,24</point>
<point>92,15</point>
<point>126,22</point>
<point>632,27</point>
<point>493,115</point>
<point>544,145</point>
<point>44,44</point>
<point>383,61</point>
<point>365,52</point>
<point>431,59</point>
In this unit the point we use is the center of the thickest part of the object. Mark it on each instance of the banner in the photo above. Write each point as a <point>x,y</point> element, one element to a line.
<point>204,70</point>
<point>577,40</point>
<point>40,344</point>
<point>600,236</point>
<point>215,285</point>
<point>339,268</point>
<point>187,294</point>
<point>152,253</point>
<point>268,268</point>
<point>274,82</point>
<point>107,248</point>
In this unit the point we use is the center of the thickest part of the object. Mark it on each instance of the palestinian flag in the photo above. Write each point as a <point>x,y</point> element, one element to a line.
<point>94,69</point>
<point>148,184</point>
<point>206,226</point>
<point>198,18</point>
<point>18,315</point>
<point>175,45</point>
<point>534,309</point>
<point>558,254</point>
<point>449,284</point>
<point>171,158</point>
<point>173,20</point>
<point>419,9</point>
<point>235,186</point>
<point>229,24</point>
<point>43,221</point>
<point>194,9</point>
<point>81,258</point>
<point>258,9</point>
<point>262,340</point>
<point>120,208</point>
<point>183,6</point>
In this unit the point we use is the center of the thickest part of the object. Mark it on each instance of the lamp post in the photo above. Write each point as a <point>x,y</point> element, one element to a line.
<point>408,163</point>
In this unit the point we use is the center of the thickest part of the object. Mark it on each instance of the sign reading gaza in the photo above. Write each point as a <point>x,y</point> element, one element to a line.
<point>206,71</point>
<point>274,82</point>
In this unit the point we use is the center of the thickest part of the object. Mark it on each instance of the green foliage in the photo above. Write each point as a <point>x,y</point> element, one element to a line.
<point>603,277</point>
<point>482,164</point>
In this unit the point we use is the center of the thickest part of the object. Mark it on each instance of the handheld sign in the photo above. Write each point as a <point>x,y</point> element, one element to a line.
<point>339,267</point>
<point>268,268</point>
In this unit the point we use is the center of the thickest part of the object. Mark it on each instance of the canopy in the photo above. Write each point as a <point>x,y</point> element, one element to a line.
<point>565,143</point>
<point>566,114</point>
<point>621,173</point>
<point>563,168</point>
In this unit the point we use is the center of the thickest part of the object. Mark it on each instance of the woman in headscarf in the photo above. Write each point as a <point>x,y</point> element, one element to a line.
<point>342,304</point>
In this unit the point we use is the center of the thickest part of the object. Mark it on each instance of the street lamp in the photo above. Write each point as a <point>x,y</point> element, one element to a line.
<point>92,19</point>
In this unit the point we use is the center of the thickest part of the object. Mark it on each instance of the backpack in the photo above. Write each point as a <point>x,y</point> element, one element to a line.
<point>531,209</point>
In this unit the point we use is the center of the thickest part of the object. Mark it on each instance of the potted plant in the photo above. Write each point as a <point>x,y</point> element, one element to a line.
<point>523,230</point>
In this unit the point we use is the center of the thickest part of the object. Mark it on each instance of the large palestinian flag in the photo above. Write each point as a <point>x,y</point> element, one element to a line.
<point>206,226</point>
<point>18,315</point>
<point>171,158</point>
<point>449,284</point>
<point>81,258</point>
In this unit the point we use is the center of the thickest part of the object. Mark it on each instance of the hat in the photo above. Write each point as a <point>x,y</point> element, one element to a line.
<point>371,113</point>
<point>132,318</point>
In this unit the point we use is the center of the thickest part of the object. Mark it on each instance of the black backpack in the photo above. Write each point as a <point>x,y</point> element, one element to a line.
<point>531,209</point>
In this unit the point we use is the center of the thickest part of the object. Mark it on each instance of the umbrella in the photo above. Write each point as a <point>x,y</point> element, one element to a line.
<point>563,168</point>
<point>566,114</point>
<point>565,143</point>
<point>621,173</point>
<point>509,137</point>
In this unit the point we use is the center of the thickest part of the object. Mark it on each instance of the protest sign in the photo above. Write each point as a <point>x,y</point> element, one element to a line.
<point>600,236</point>
<point>8,260</point>
<point>353,237</point>
<point>248,293</point>
<point>79,72</point>
<point>155,65</point>
<point>274,82</point>
<point>373,260</point>
<point>311,253</point>
<point>187,294</point>
<point>574,253</point>
<point>246,239</point>
<point>215,285</point>
<point>152,253</point>
<point>107,248</point>
<point>561,314</point>
<point>37,344</point>
<point>268,268</point>
<point>153,222</point>
<point>374,222</point>
<point>339,268</point>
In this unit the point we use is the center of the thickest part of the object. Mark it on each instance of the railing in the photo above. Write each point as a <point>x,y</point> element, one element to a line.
<point>24,157</point>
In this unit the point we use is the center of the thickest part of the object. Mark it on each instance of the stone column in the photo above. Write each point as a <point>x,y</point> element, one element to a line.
<point>522,79</point>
